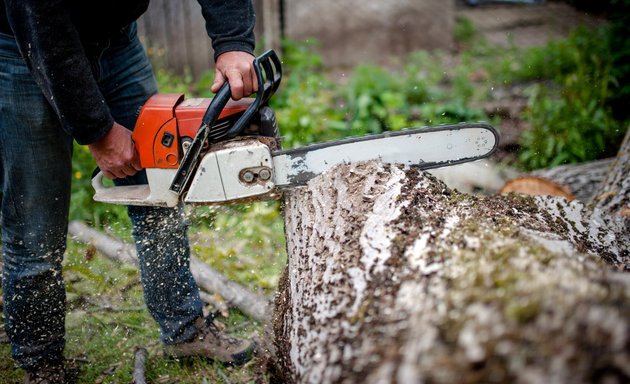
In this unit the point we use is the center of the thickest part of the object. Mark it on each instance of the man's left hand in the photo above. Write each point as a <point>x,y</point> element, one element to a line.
<point>238,68</point>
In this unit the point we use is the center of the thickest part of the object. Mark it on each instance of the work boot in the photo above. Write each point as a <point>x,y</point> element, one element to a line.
<point>211,343</point>
<point>46,373</point>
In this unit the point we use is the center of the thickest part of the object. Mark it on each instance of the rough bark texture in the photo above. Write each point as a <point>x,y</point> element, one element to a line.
<point>393,277</point>
<point>613,193</point>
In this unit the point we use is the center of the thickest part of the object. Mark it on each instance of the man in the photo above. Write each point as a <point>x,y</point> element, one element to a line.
<point>73,69</point>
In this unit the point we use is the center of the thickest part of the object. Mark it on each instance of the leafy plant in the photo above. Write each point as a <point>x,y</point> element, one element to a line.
<point>575,122</point>
<point>304,102</point>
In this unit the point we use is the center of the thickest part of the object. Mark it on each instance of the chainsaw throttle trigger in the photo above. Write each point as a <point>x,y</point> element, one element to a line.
<point>268,73</point>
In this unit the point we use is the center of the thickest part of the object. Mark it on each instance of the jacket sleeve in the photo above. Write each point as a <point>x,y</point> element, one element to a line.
<point>230,25</point>
<point>52,49</point>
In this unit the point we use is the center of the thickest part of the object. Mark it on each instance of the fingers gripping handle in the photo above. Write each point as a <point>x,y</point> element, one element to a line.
<point>268,73</point>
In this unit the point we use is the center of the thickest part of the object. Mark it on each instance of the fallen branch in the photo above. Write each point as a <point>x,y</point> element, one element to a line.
<point>139,358</point>
<point>109,308</point>
<point>207,278</point>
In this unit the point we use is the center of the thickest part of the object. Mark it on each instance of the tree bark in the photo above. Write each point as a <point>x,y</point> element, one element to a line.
<point>207,277</point>
<point>394,277</point>
<point>613,193</point>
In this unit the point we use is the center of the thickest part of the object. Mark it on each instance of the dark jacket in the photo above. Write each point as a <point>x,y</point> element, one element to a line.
<point>58,40</point>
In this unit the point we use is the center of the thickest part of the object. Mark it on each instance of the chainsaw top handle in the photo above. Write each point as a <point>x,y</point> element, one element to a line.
<point>268,73</point>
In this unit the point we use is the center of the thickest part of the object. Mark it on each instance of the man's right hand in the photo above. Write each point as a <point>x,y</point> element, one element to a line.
<point>115,153</point>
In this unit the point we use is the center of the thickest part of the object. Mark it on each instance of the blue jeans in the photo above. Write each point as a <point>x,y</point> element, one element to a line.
<point>35,176</point>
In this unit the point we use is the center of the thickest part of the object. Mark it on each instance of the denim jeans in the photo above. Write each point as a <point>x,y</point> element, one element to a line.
<point>35,176</point>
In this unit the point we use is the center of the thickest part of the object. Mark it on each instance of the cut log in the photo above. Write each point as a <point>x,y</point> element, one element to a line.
<point>207,277</point>
<point>394,277</point>
<point>602,183</point>
<point>580,179</point>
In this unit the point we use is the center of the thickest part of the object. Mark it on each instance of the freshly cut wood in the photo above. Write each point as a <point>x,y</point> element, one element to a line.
<point>394,277</point>
<point>207,277</point>
<point>536,186</point>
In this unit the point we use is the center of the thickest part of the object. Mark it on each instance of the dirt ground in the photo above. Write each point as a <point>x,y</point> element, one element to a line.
<point>525,25</point>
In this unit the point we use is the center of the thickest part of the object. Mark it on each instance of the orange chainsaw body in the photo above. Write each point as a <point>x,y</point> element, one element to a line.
<point>167,119</point>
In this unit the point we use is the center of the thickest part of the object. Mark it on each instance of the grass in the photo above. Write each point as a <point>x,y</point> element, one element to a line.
<point>107,318</point>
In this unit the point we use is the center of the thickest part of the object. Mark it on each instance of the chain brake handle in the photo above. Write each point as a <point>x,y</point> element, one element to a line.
<point>268,73</point>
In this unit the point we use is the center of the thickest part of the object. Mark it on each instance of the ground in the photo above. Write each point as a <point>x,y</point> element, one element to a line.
<point>526,26</point>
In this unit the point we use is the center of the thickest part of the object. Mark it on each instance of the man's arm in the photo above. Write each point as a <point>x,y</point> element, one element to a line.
<point>230,25</point>
<point>52,49</point>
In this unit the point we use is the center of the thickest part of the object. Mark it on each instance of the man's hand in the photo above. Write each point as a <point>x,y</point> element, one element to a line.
<point>115,153</point>
<point>238,68</point>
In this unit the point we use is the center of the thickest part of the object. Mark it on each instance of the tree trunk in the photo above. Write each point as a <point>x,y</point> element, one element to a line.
<point>393,277</point>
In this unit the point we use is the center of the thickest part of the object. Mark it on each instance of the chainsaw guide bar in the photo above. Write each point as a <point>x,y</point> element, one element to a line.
<point>423,148</point>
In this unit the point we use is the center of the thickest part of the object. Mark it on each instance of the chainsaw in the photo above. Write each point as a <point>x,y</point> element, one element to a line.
<point>213,151</point>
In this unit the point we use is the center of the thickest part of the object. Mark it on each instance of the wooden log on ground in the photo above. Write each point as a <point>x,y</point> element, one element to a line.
<point>537,186</point>
<point>580,179</point>
<point>207,277</point>
<point>600,183</point>
<point>393,277</point>
<point>573,181</point>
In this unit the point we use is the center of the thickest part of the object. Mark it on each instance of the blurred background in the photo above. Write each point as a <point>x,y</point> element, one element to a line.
<point>552,76</point>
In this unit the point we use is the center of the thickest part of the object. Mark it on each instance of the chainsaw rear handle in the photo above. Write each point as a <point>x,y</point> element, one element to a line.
<point>268,74</point>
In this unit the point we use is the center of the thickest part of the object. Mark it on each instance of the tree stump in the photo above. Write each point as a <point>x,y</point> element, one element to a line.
<point>393,277</point>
